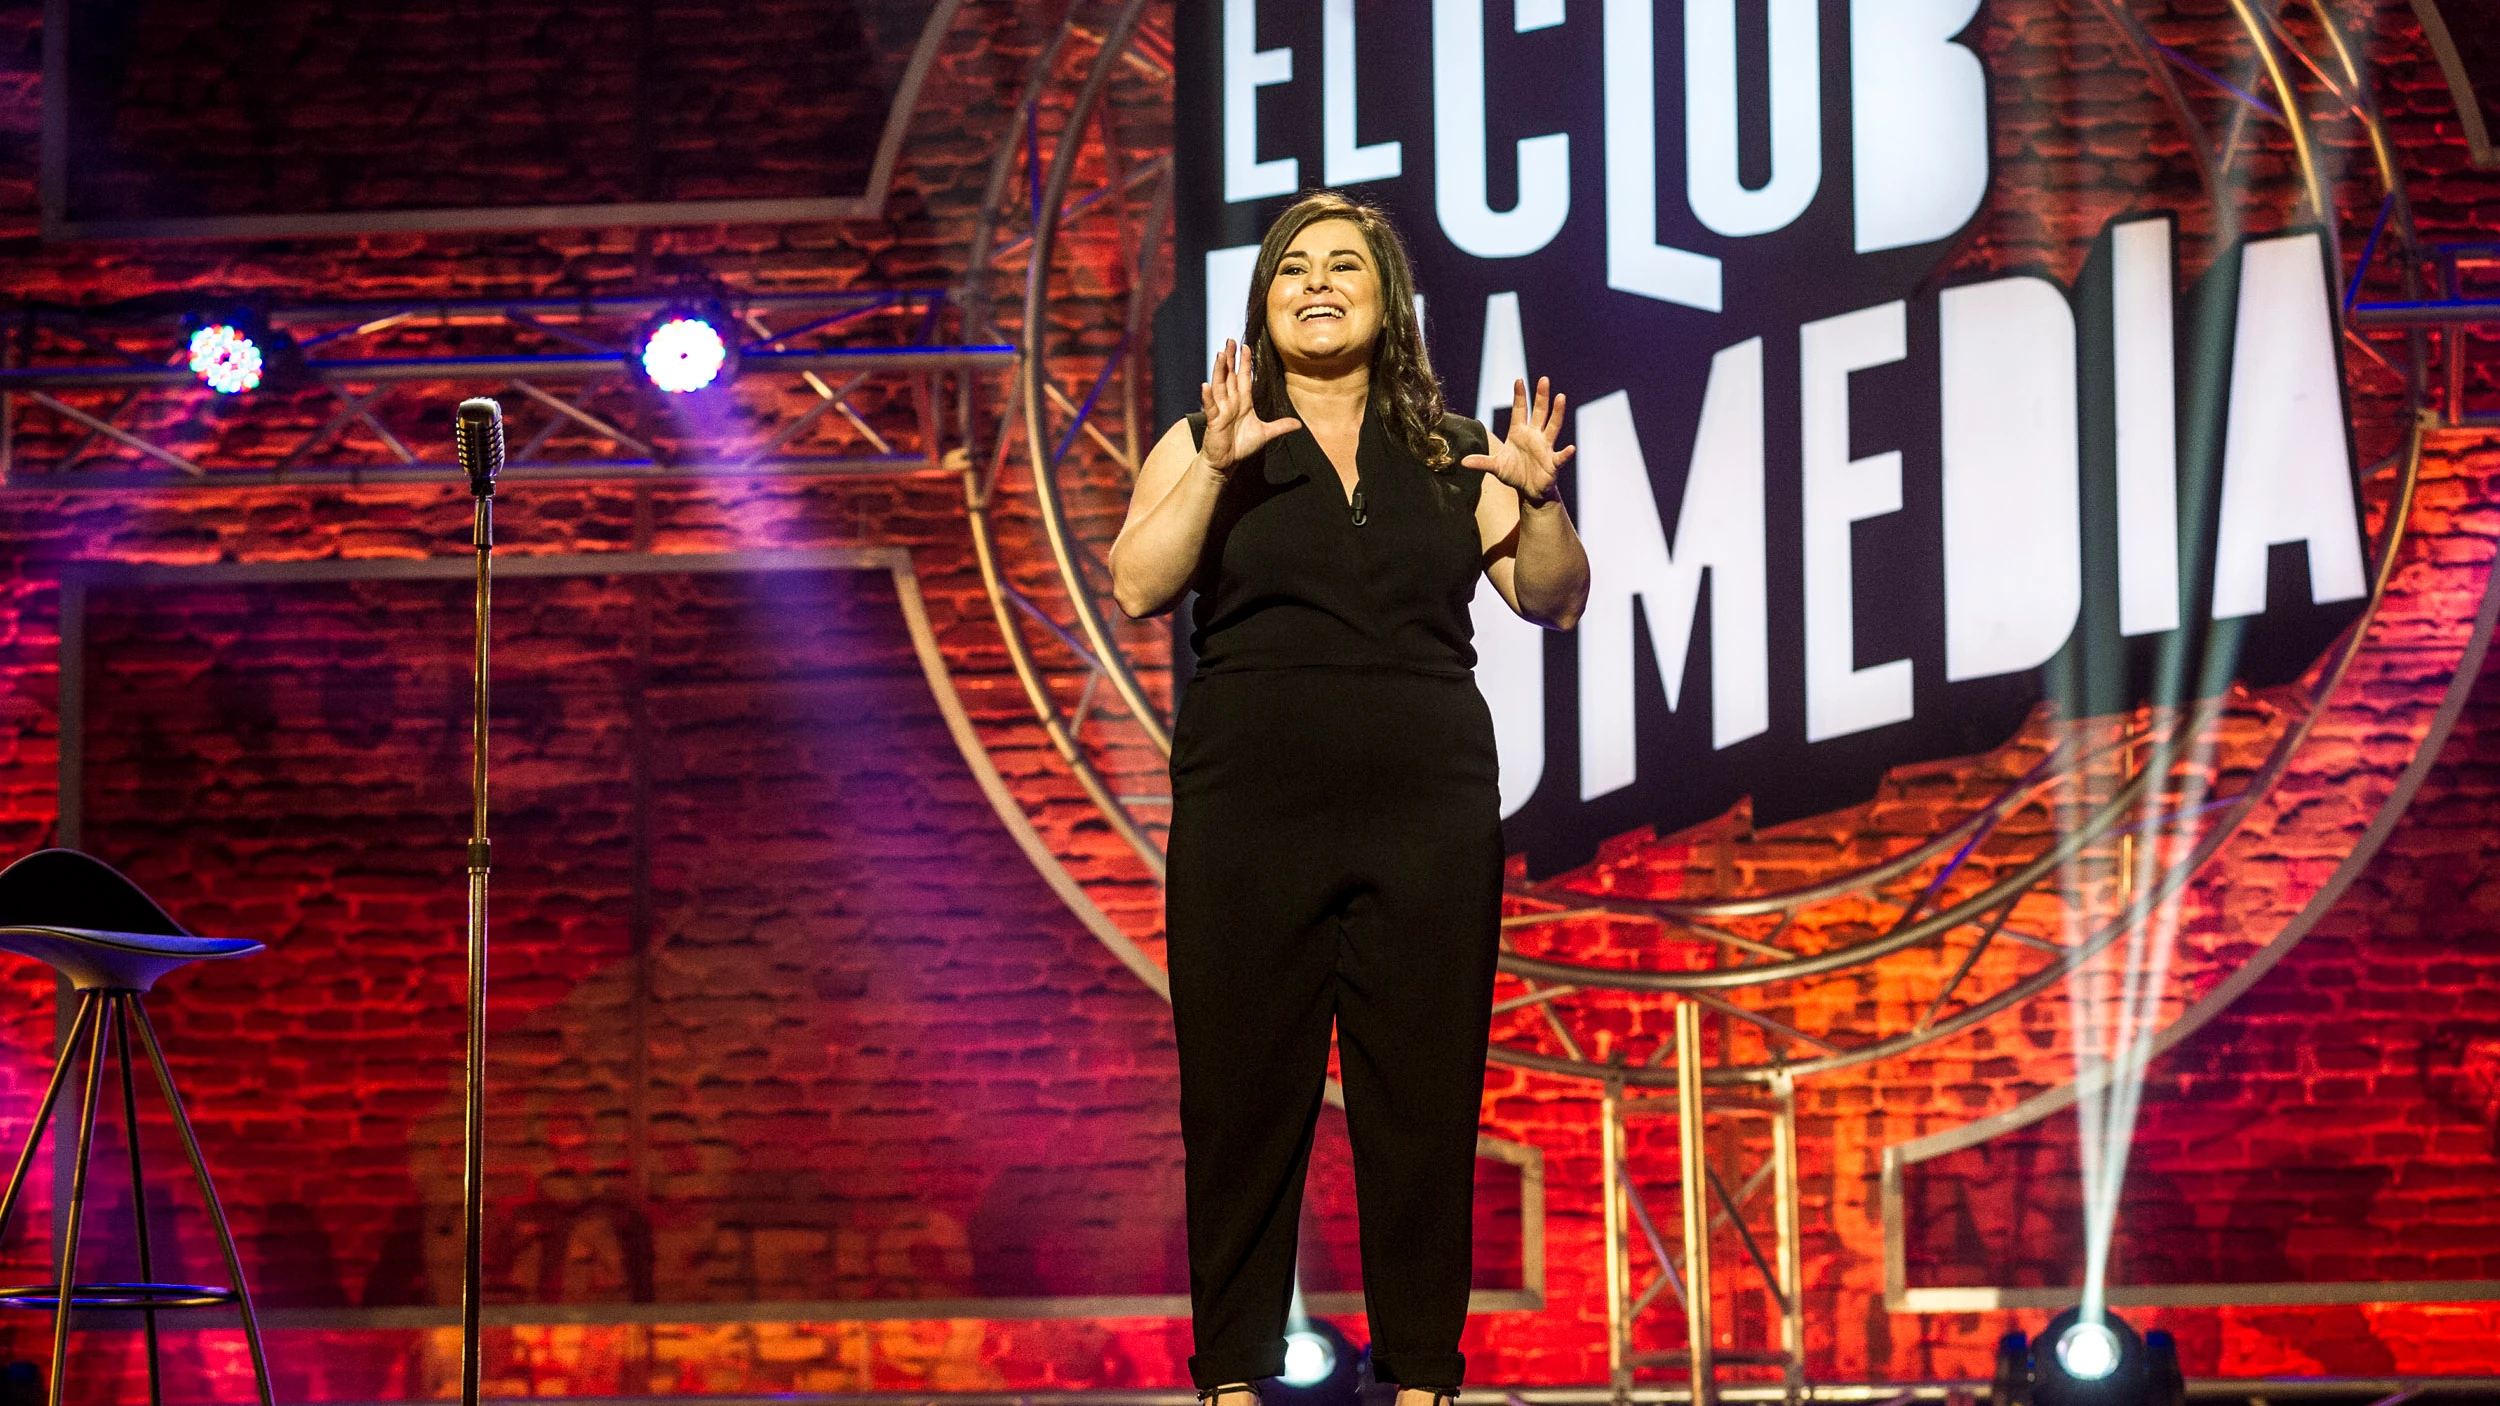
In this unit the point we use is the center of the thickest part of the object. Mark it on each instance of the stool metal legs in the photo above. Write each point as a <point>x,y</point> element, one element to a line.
<point>208,1195</point>
<point>108,1017</point>
<point>67,1298</point>
<point>138,1207</point>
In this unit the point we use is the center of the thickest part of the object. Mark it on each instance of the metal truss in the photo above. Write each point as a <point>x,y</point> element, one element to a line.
<point>2144,801</point>
<point>1083,188</point>
<point>1704,1201</point>
<point>97,398</point>
<point>2463,315</point>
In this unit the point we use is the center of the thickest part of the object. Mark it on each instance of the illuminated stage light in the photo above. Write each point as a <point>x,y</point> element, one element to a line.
<point>683,354</point>
<point>682,350</point>
<point>226,358</point>
<point>2080,1362</point>
<point>234,351</point>
<point>1309,1358</point>
<point>1322,1368</point>
<point>2088,1351</point>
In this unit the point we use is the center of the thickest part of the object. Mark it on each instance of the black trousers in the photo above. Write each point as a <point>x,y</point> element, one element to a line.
<point>1335,862</point>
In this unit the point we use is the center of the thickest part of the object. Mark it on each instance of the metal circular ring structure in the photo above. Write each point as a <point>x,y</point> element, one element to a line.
<point>2167,781</point>
<point>1041,575</point>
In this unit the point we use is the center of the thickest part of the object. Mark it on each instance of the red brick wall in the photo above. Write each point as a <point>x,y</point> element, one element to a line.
<point>908,1073</point>
<point>256,109</point>
<point>882,1060</point>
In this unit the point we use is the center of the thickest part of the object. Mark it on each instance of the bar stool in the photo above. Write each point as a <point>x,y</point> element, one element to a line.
<point>79,916</point>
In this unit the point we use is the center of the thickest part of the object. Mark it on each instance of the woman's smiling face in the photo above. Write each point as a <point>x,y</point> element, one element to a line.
<point>1325,300</point>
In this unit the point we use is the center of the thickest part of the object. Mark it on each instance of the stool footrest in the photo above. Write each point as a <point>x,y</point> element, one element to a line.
<point>48,1296</point>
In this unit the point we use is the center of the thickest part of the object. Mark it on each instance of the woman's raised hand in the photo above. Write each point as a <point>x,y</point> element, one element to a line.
<point>1525,458</point>
<point>1234,429</point>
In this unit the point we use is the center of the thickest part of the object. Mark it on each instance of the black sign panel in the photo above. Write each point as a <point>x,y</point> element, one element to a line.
<point>1842,515</point>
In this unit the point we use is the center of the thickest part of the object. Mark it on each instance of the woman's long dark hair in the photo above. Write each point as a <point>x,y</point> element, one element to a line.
<point>1403,386</point>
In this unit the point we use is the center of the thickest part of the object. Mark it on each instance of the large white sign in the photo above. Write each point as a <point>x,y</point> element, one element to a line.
<point>1839,518</point>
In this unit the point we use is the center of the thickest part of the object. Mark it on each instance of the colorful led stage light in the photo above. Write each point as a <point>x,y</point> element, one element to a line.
<point>683,351</point>
<point>226,358</point>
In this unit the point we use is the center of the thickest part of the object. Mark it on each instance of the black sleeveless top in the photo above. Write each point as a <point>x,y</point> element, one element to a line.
<point>1289,578</point>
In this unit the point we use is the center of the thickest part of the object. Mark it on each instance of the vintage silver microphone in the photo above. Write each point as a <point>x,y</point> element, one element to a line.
<point>478,434</point>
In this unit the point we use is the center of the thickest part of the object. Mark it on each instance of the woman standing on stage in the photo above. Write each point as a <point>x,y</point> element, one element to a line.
<point>1336,846</point>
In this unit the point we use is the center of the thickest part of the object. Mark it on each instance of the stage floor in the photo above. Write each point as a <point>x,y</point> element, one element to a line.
<point>2257,1391</point>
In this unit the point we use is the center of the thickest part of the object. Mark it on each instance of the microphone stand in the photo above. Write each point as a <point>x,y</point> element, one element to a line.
<point>481,446</point>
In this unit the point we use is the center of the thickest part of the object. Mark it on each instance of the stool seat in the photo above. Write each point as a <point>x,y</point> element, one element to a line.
<point>95,960</point>
<point>78,915</point>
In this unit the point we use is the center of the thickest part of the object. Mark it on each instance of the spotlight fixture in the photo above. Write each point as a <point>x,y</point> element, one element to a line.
<point>1322,1368</point>
<point>686,347</point>
<point>2088,1351</point>
<point>226,358</point>
<point>1309,1358</point>
<point>235,351</point>
<point>2079,1361</point>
